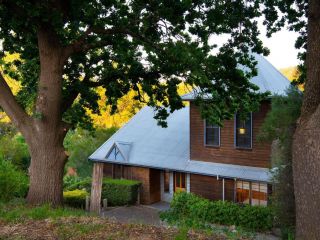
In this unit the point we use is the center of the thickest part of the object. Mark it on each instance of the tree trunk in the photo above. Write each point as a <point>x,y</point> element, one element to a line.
<point>45,142</point>
<point>46,170</point>
<point>306,143</point>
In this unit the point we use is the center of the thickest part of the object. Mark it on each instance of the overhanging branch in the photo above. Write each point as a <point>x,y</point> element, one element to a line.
<point>12,108</point>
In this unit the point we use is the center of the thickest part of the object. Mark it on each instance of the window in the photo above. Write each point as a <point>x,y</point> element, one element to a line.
<point>115,154</point>
<point>253,193</point>
<point>243,192</point>
<point>166,181</point>
<point>259,194</point>
<point>212,134</point>
<point>243,131</point>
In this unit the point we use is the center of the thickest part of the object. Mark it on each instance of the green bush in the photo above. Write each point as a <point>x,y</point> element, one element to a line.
<point>193,211</point>
<point>75,198</point>
<point>119,192</point>
<point>81,183</point>
<point>13,182</point>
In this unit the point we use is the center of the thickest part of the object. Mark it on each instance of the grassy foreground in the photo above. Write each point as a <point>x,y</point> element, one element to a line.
<point>21,222</point>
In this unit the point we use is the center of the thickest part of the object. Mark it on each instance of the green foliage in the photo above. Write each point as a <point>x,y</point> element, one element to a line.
<point>279,126</point>
<point>75,198</point>
<point>80,144</point>
<point>196,212</point>
<point>13,148</point>
<point>81,183</point>
<point>120,192</point>
<point>155,45</point>
<point>117,191</point>
<point>18,211</point>
<point>13,182</point>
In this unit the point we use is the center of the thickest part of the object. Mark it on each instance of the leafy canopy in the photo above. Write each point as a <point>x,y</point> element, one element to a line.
<point>149,47</point>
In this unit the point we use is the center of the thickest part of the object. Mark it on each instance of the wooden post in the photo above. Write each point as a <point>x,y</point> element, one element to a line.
<point>97,176</point>
<point>87,203</point>
<point>105,204</point>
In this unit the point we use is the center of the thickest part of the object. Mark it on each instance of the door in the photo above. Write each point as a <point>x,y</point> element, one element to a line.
<point>179,182</point>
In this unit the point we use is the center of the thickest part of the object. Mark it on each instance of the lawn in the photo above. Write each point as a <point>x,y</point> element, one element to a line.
<point>19,221</point>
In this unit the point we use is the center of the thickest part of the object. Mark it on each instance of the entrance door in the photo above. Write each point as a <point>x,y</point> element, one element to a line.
<point>179,182</point>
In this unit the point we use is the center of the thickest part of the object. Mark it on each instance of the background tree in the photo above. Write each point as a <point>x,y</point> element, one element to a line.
<point>279,127</point>
<point>68,48</point>
<point>304,17</point>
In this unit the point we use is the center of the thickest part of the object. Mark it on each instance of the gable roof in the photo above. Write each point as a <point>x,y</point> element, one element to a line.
<point>122,147</point>
<point>268,79</point>
<point>167,148</point>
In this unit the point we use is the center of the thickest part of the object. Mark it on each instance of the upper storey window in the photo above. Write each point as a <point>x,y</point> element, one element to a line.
<point>243,131</point>
<point>211,134</point>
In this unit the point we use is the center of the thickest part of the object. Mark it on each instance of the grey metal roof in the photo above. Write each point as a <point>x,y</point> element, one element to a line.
<point>167,148</point>
<point>268,79</point>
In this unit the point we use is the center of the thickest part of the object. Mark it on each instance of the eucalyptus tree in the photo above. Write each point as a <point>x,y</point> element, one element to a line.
<point>68,48</point>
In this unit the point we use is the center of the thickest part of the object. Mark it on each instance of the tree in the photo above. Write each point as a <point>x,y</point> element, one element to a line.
<point>304,17</point>
<point>68,48</point>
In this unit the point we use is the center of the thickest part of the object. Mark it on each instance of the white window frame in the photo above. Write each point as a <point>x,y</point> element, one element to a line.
<point>205,136</point>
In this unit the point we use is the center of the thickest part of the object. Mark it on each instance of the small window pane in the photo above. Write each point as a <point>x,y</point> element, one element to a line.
<point>259,194</point>
<point>212,134</point>
<point>243,192</point>
<point>243,132</point>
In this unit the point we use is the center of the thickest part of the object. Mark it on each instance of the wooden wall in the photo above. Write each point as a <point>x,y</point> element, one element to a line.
<point>150,179</point>
<point>211,187</point>
<point>258,156</point>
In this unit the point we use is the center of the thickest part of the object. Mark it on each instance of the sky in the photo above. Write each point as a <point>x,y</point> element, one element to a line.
<point>282,51</point>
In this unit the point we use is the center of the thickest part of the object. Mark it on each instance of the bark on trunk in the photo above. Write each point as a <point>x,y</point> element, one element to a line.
<point>306,143</point>
<point>45,143</point>
<point>46,174</point>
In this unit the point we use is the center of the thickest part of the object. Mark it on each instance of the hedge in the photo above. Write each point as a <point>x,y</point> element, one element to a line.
<point>194,211</point>
<point>118,192</point>
<point>75,198</point>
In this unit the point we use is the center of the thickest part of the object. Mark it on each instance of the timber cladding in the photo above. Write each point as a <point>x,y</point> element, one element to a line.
<point>211,187</point>
<point>258,156</point>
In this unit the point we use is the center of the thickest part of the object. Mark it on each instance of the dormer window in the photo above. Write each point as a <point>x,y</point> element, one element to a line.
<point>243,131</point>
<point>115,154</point>
<point>211,134</point>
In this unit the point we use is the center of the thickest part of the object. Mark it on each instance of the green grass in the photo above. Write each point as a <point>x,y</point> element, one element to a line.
<point>18,211</point>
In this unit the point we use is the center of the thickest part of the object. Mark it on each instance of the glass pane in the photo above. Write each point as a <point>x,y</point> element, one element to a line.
<point>177,179</point>
<point>183,180</point>
<point>243,192</point>
<point>243,131</point>
<point>212,136</point>
<point>259,194</point>
<point>166,181</point>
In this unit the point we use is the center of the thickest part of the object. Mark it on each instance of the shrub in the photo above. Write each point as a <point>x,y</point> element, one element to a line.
<point>81,183</point>
<point>13,182</point>
<point>193,211</point>
<point>118,191</point>
<point>75,198</point>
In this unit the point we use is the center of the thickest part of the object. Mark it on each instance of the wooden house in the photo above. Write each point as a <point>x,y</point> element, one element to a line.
<point>192,155</point>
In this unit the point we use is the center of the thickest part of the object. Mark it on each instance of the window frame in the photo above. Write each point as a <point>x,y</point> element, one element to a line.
<point>205,135</point>
<point>235,133</point>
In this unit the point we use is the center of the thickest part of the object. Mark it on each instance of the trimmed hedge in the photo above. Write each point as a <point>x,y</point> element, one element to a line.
<point>118,192</point>
<point>194,211</point>
<point>75,198</point>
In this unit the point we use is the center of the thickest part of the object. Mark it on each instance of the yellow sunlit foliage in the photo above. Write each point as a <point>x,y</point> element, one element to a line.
<point>14,85</point>
<point>291,73</point>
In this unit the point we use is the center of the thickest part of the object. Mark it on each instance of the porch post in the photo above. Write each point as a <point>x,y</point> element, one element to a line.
<point>171,190</point>
<point>97,175</point>
<point>188,182</point>
<point>223,189</point>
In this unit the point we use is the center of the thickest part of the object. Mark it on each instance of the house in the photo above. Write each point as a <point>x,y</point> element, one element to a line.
<point>192,155</point>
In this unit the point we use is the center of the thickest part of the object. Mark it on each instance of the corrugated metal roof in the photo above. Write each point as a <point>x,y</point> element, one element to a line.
<point>268,79</point>
<point>168,148</point>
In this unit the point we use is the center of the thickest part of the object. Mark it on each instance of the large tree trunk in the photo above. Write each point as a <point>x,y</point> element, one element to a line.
<point>45,142</point>
<point>46,171</point>
<point>306,144</point>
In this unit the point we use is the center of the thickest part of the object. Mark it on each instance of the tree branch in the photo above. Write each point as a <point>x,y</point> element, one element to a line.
<point>12,108</point>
